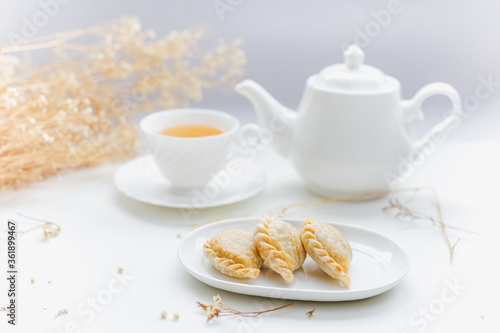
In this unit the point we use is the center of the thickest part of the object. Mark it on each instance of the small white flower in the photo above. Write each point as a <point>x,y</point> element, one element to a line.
<point>43,100</point>
<point>47,138</point>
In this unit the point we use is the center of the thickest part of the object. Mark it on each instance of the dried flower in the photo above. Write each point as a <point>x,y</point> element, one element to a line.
<point>32,281</point>
<point>219,309</point>
<point>61,313</point>
<point>120,270</point>
<point>176,316</point>
<point>75,110</point>
<point>309,314</point>
<point>50,230</point>
<point>164,314</point>
<point>179,236</point>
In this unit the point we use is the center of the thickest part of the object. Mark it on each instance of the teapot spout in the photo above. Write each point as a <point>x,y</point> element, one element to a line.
<point>273,117</point>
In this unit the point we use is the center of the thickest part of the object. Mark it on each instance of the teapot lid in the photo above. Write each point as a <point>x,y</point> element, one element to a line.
<point>352,75</point>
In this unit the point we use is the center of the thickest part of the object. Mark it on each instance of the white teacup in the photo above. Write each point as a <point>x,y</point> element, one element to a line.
<point>191,162</point>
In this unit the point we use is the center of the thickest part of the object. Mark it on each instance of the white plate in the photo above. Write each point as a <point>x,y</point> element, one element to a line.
<point>378,264</point>
<point>140,179</point>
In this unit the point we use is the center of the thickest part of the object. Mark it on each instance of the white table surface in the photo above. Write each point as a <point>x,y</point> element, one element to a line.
<point>103,230</point>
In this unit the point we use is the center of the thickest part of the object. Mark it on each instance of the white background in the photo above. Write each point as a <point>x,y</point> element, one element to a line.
<point>454,41</point>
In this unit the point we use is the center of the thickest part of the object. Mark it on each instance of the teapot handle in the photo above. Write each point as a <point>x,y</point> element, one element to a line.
<point>412,110</point>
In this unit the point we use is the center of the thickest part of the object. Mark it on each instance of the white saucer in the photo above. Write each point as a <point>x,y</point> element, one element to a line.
<point>140,179</point>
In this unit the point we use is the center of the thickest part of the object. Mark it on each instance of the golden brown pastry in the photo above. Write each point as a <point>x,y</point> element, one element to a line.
<point>279,246</point>
<point>233,253</point>
<point>327,246</point>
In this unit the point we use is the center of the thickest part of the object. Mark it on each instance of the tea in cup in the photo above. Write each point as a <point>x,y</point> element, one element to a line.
<point>190,131</point>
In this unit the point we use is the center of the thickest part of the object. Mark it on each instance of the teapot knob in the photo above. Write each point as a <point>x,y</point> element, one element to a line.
<point>353,57</point>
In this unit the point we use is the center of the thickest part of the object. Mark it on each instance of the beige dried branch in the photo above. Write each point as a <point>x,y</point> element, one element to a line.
<point>61,313</point>
<point>406,212</point>
<point>443,226</point>
<point>219,309</point>
<point>75,109</point>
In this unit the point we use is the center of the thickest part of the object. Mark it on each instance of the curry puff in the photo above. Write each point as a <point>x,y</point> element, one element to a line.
<point>279,246</point>
<point>233,253</point>
<point>327,246</point>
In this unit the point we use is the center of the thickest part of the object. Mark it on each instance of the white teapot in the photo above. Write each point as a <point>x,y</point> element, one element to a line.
<point>349,134</point>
